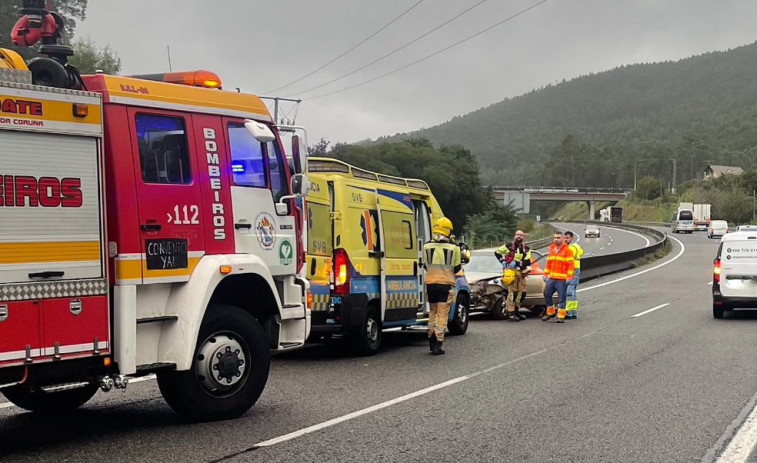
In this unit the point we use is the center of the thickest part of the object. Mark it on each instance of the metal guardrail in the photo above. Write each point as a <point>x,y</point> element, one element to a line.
<point>548,189</point>
<point>596,266</point>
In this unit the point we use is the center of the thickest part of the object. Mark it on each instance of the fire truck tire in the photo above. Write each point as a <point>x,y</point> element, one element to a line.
<point>367,339</point>
<point>459,323</point>
<point>229,372</point>
<point>36,400</point>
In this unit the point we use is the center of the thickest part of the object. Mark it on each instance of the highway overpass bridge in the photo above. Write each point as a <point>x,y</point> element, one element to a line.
<point>521,196</point>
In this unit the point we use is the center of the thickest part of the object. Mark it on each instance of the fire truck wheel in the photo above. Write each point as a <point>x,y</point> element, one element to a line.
<point>230,368</point>
<point>367,339</point>
<point>36,400</point>
<point>459,323</point>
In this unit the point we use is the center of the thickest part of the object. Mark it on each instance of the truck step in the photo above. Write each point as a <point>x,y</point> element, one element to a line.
<point>155,366</point>
<point>163,318</point>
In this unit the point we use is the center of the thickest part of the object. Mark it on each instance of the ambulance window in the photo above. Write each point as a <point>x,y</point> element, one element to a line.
<point>278,171</point>
<point>246,157</point>
<point>163,153</point>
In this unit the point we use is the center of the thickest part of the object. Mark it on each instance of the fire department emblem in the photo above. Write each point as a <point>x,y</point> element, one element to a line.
<point>265,228</point>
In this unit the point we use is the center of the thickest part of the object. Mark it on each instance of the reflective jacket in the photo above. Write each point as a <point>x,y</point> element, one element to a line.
<point>578,251</point>
<point>560,263</point>
<point>511,252</point>
<point>442,262</point>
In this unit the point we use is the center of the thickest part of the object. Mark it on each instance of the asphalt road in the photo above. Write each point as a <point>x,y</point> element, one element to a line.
<point>611,240</point>
<point>609,387</point>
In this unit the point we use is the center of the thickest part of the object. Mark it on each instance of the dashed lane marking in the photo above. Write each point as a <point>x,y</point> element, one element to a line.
<point>650,310</point>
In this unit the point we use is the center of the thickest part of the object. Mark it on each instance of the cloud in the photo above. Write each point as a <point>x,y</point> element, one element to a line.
<point>261,45</point>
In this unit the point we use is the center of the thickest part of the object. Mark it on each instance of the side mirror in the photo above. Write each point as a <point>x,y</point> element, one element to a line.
<point>299,160</point>
<point>260,131</point>
<point>300,186</point>
<point>464,253</point>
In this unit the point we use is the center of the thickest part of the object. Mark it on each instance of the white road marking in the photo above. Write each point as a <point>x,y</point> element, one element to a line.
<point>637,234</point>
<point>388,403</point>
<point>601,248</point>
<point>742,444</point>
<point>7,405</point>
<point>709,283</point>
<point>650,310</point>
<point>142,378</point>
<point>680,253</point>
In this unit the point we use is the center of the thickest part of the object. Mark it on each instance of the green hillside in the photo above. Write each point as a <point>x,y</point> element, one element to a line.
<point>590,130</point>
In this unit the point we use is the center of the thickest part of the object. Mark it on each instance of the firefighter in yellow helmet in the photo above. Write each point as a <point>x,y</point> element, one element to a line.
<point>515,258</point>
<point>571,302</point>
<point>441,259</point>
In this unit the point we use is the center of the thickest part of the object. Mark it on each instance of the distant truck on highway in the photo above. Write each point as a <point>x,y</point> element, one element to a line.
<point>701,214</point>
<point>611,214</point>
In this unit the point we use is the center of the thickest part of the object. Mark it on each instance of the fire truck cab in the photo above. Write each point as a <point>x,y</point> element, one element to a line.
<point>147,225</point>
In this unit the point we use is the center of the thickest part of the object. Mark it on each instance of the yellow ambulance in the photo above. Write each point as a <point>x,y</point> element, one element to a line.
<point>365,239</point>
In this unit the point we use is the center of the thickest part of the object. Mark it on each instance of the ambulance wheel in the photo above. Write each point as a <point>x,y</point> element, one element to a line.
<point>499,309</point>
<point>718,311</point>
<point>229,371</point>
<point>459,323</point>
<point>367,339</point>
<point>36,400</point>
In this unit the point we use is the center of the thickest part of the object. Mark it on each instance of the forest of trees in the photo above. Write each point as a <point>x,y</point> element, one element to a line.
<point>450,171</point>
<point>603,129</point>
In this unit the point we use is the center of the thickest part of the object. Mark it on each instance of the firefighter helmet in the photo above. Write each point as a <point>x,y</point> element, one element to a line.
<point>508,276</point>
<point>443,226</point>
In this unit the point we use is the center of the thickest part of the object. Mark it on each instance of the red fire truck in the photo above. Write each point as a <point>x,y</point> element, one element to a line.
<point>147,225</point>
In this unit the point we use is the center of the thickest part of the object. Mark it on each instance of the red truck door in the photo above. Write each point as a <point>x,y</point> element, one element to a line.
<point>168,193</point>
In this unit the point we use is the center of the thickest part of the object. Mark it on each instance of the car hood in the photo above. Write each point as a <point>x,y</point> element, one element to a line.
<point>474,277</point>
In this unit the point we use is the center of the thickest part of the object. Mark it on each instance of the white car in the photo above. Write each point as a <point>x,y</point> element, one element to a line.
<point>734,277</point>
<point>717,228</point>
<point>591,230</point>
<point>746,228</point>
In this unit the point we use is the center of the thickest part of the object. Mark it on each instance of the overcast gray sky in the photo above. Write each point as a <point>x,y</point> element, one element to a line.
<point>259,45</point>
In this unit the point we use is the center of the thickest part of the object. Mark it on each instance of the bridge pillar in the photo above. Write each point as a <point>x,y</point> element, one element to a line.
<point>591,209</point>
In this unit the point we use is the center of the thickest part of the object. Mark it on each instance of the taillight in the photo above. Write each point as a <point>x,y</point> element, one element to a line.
<point>341,272</point>
<point>716,271</point>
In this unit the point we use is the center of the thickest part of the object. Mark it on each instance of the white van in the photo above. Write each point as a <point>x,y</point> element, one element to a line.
<point>734,279</point>
<point>683,221</point>
<point>717,228</point>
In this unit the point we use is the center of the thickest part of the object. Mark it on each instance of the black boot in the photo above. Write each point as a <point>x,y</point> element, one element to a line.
<point>432,342</point>
<point>438,348</point>
<point>518,314</point>
<point>513,316</point>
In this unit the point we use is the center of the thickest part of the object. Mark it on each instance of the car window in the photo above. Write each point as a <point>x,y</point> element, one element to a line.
<point>483,263</point>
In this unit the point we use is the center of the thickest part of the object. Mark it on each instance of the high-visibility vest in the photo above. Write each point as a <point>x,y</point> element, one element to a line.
<point>578,251</point>
<point>440,260</point>
<point>560,263</point>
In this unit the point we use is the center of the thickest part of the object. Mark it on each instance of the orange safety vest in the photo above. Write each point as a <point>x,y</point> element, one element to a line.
<point>560,263</point>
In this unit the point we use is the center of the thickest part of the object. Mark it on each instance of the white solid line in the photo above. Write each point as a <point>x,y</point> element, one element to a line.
<point>650,310</point>
<point>7,405</point>
<point>637,234</point>
<point>741,445</point>
<point>680,253</point>
<point>388,403</point>
<point>711,454</point>
<point>142,378</point>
